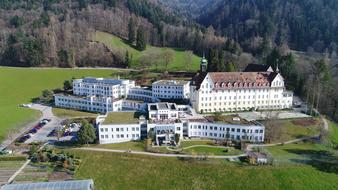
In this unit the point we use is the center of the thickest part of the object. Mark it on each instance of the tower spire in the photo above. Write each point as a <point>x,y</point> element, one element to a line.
<point>277,69</point>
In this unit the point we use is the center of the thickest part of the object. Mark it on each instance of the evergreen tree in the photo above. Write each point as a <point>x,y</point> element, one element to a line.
<point>230,67</point>
<point>83,4</point>
<point>128,59</point>
<point>131,30</point>
<point>221,61</point>
<point>213,61</point>
<point>86,133</point>
<point>140,40</point>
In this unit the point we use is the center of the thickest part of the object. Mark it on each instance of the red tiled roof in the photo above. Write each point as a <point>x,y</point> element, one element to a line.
<point>223,80</point>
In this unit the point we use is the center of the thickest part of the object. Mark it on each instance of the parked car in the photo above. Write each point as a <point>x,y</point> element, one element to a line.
<point>24,138</point>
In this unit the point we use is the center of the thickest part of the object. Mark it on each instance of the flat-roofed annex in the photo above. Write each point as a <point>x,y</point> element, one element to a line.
<point>122,118</point>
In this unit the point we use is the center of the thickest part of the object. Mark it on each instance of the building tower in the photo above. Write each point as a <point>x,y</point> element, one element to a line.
<point>204,64</point>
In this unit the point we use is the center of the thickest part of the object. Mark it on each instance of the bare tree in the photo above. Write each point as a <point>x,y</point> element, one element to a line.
<point>168,56</point>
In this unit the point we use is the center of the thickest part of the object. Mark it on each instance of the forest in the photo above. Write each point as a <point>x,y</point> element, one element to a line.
<point>60,32</point>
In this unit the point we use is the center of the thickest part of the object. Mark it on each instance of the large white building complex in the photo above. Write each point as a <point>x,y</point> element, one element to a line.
<point>239,91</point>
<point>167,120</point>
<point>104,95</point>
<point>258,88</point>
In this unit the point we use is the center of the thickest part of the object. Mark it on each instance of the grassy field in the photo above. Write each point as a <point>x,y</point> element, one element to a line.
<point>123,171</point>
<point>138,146</point>
<point>121,118</point>
<point>212,150</point>
<point>66,113</point>
<point>297,128</point>
<point>188,143</point>
<point>333,131</point>
<point>177,64</point>
<point>20,85</point>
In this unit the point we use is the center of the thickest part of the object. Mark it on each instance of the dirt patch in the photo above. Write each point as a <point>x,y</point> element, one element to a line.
<point>59,176</point>
<point>305,122</point>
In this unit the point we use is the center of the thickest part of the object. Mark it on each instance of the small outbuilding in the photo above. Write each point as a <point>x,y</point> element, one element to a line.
<point>57,185</point>
<point>257,158</point>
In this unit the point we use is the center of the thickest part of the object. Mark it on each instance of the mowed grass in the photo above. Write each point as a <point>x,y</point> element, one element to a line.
<point>188,143</point>
<point>66,113</point>
<point>137,145</point>
<point>212,150</point>
<point>123,171</point>
<point>333,128</point>
<point>290,130</point>
<point>178,62</point>
<point>20,85</point>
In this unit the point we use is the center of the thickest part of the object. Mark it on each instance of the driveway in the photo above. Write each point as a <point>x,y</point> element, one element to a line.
<point>42,134</point>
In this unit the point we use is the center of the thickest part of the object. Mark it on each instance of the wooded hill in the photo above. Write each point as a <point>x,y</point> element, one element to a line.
<point>302,24</point>
<point>60,32</point>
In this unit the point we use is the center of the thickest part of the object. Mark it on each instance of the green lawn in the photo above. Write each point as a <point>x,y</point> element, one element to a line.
<point>20,85</point>
<point>212,150</point>
<point>188,143</point>
<point>333,131</point>
<point>177,64</point>
<point>137,145</point>
<point>123,171</point>
<point>290,130</point>
<point>121,118</point>
<point>66,113</point>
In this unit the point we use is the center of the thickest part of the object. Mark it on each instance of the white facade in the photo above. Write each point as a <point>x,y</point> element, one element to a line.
<point>216,94</point>
<point>166,111</point>
<point>97,104</point>
<point>139,93</point>
<point>165,131</point>
<point>90,103</point>
<point>114,88</point>
<point>199,129</point>
<point>171,89</point>
<point>117,133</point>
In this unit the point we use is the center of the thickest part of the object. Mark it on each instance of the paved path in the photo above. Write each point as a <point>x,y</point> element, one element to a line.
<point>156,154</point>
<point>41,135</point>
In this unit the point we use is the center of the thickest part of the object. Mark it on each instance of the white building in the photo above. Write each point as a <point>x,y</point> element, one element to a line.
<point>171,89</point>
<point>117,127</point>
<point>239,91</point>
<point>249,131</point>
<point>97,104</point>
<point>141,93</point>
<point>88,103</point>
<point>114,88</point>
<point>104,95</point>
<point>166,111</point>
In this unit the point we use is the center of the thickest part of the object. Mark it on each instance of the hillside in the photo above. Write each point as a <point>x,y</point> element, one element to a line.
<point>302,24</point>
<point>180,60</point>
<point>59,33</point>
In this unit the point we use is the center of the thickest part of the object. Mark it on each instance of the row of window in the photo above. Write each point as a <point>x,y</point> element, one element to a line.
<point>120,129</point>
<point>241,103</point>
<point>122,136</point>
<point>215,128</point>
<point>169,87</point>
<point>235,97</point>
<point>223,135</point>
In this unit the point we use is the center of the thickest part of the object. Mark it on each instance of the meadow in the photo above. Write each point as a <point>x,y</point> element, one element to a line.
<point>20,85</point>
<point>123,171</point>
<point>178,62</point>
